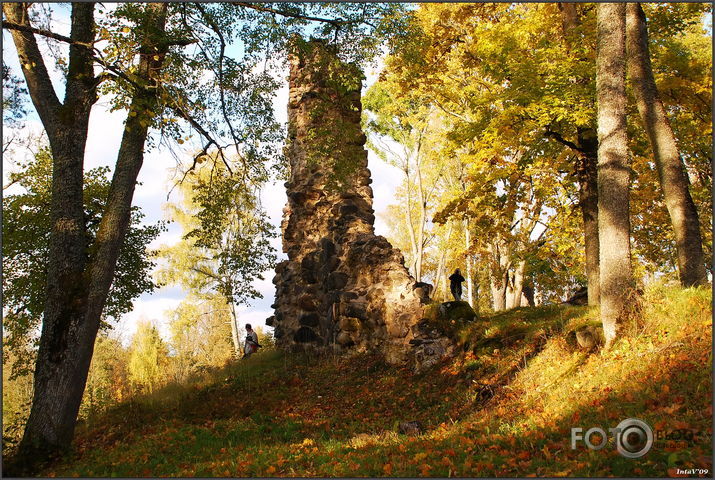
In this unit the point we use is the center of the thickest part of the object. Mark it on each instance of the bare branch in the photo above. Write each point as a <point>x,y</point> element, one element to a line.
<point>337,23</point>
<point>44,33</point>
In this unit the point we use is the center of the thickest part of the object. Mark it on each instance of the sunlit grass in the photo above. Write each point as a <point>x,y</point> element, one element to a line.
<point>504,407</point>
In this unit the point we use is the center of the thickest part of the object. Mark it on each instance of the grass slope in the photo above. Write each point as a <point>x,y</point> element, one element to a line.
<point>504,407</point>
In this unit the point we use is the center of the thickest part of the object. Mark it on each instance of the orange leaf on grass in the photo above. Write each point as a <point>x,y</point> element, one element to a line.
<point>523,455</point>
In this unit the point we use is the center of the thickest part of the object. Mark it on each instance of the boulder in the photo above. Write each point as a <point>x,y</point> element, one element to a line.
<point>422,291</point>
<point>448,317</point>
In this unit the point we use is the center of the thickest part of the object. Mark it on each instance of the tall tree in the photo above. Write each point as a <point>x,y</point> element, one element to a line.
<point>146,71</point>
<point>671,171</point>
<point>200,335</point>
<point>26,231</point>
<point>400,132</point>
<point>77,283</point>
<point>148,358</point>
<point>586,149</point>
<point>226,241</point>
<point>613,168</point>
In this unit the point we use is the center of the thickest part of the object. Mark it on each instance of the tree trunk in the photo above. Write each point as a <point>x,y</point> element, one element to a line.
<point>421,224</point>
<point>234,331</point>
<point>499,279</point>
<point>613,168</point>
<point>56,398</point>
<point>467,246</point>
<point>586,173</point>
<point>588,201</point>
<point>498,286</point>
<point>410,225</point>
<point>517,288</point>
<point>77,290</point>
<point>475,304</point>
<point>671,171</point>
<point>442,265</point>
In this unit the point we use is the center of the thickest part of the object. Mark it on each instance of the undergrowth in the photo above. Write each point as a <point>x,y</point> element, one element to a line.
<point>504,406</point>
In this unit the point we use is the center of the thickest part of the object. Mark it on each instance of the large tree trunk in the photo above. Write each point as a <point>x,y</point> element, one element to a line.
<point>613,168</point>
<point>77,291</point>
<point>499,278</point>
<point>56,396</point>
<point>673,178</point>
<point>587,159</point>
<point>498,287</point>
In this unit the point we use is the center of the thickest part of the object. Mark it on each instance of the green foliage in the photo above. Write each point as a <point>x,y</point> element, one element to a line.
<point>224,80</point>
<point>200,336</point>
<point>226,242</point>
<point>108,378</point>
<point>26,231</point>
<point>16,398</point>
<point>148,358</point>
<point>13,101</point>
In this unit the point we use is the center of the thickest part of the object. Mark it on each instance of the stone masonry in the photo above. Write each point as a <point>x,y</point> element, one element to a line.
<point>343,288</point>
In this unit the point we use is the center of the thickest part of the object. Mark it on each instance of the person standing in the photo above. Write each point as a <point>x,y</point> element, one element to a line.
<point>455,285</point>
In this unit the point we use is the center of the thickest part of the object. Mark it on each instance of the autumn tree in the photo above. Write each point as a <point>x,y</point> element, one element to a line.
<point>148,358</point>
<point>201,337</point>
<point>613,169</point>
<point>671,171</point>
<point>226,240</point>
<point>107,380</point>
<point>490,70</point>
<point>401,132</point>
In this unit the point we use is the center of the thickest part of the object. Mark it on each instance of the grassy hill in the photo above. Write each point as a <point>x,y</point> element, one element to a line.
<point>504,407</point>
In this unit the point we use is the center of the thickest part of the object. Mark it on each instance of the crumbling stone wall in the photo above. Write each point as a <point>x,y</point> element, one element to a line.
<point>342,287</point>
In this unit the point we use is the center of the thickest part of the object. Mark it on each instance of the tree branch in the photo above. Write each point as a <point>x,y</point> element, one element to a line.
<point>557,136</point>
<point>337,23</point>
<point>44,33</point>
<point>33,66</point>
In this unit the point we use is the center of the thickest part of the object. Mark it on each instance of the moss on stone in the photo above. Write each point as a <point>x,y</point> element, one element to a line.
<point>448,317</point>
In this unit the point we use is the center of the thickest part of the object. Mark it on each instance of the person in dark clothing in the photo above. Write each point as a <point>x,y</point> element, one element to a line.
<point>455,284</point>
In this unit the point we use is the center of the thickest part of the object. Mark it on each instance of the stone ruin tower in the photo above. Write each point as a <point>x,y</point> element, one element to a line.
<point>343,288</point>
